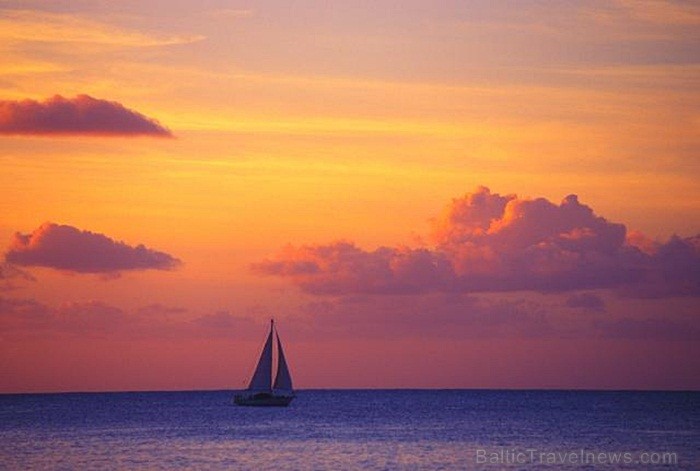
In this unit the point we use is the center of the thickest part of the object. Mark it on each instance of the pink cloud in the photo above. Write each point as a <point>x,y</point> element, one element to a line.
<point>485,242</point>
<point>82,115</point>
<point>67,248</point>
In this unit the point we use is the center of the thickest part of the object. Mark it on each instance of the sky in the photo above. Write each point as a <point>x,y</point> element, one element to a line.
<point>423,194</point>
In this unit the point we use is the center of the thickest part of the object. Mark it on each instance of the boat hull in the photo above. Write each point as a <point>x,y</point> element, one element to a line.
<point>262,400</point>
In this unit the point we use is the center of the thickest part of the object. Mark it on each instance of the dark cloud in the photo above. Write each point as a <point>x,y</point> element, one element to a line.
<point>83,115</point>
<point>68,248</point>
<point>486,242</point>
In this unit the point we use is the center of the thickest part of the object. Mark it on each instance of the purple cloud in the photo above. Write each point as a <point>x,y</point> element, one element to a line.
<point>22,314</point>
<point>441,315</point>
<point>687,330</point>
<point>68,248</point>
<point>82,115</point>
<point>486,242</point>
<point>587,301</point>
<point>98,319</point>
<point>462,316</point>
<point>344,268</point>
<point>9,274</point>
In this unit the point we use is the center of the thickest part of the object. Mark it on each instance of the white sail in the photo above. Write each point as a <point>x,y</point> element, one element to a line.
<point>262,378</point>
<point>283,380</point>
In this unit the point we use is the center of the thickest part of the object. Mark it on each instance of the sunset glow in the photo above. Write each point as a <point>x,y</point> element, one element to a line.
<point>422,194</point>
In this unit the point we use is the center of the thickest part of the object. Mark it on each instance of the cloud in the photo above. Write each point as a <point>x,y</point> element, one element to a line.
<point>664,12</point>
<point>22,314</point>
<point>486,242</point>
<point>445,316</point>
<point>92,316</point>
<point>48,27</point>
<point>225,324</point>
<point>454,316</point>
<point>67,248</point>
<point>9,274</point>
<point>587,301</point>
<point>437,315</point>
<point>98,319</point>
<point>82,115</point>
<point>342,267</point>
<point>649,328</point>
<point>228,14</point>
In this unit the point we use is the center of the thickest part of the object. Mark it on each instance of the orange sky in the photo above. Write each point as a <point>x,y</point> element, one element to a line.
<point>301,126</point>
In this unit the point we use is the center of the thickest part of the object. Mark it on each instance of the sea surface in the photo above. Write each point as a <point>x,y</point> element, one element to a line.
<point>352,429</point>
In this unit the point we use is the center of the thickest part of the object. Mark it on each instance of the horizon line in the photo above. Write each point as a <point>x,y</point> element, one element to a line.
<point>367,389</point>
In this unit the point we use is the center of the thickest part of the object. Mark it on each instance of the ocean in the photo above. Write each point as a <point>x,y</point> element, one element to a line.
<point>353,429</point>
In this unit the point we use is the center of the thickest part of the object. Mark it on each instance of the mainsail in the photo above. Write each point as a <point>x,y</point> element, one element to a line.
<point>262,378</point>
<point>283,380</point>
<point>261,381</point>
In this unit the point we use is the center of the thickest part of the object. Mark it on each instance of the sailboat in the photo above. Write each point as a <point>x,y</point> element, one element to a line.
<point>261,390</point>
